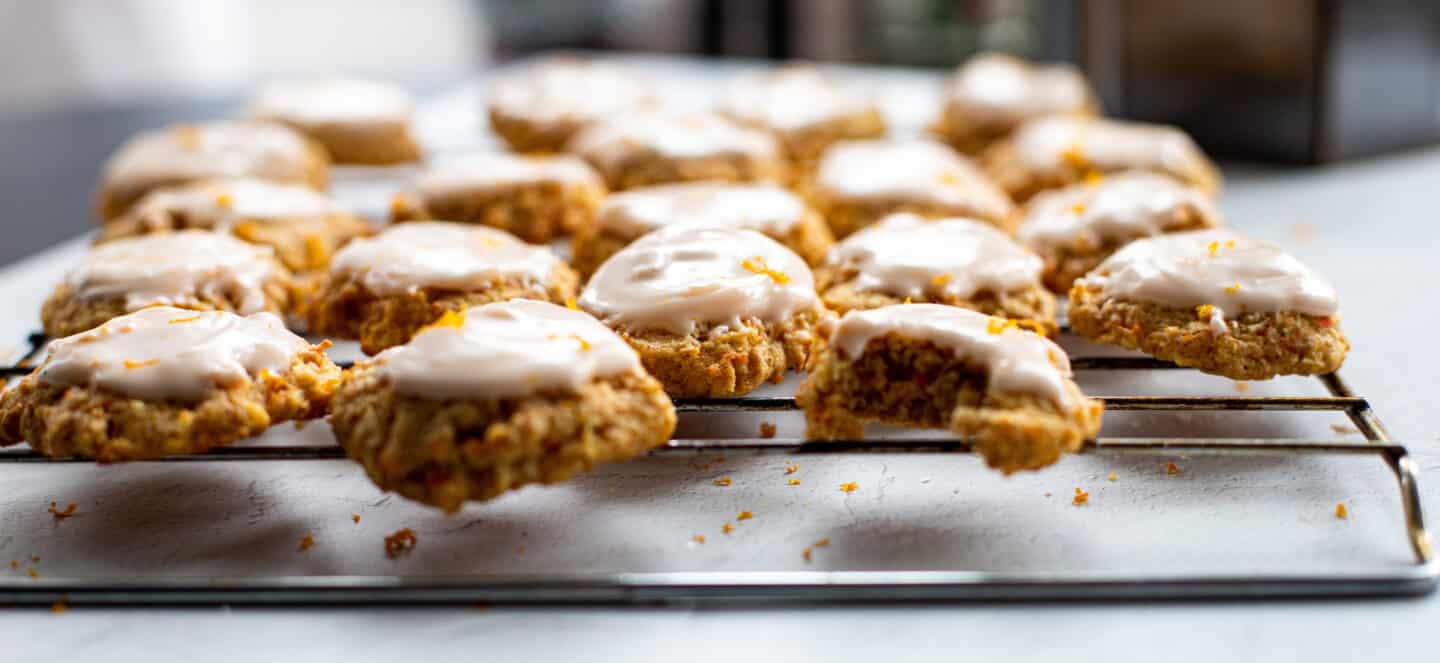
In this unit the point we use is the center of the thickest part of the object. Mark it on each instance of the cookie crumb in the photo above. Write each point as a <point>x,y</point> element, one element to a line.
<point>744,515</point>
<point>1112,477</point>
<point>793,482</point>
<point>519,551</point>
<point>35,558</point>
<point>300,424</point>
<point>1241,387</point>
<point>698,538</point>
<point>822,543</point>
<point>1341,512</point>
<point>14,564</point>
<point>1172,469</point>
<point>767,430</point>
<point>355,517</point>
<point>59,607</point>
<point>400,543</point>
<point>849,487</point>
<point>724,481</point>
<point>1344,429</point>
<point>1081,497</point>
<point>791,469</point>
<point>306,542</point>
<point>807,554</point>
<point>62,514</point>
<point>34,575</point>
<point>727,528</point>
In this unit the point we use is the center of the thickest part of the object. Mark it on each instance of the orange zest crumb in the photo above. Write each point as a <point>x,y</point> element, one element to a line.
<point>727,528</point>
<point>62,514</point>
<point>1078,208</point>
<point>1112,477</point>
<point>141,364</point>
<point>942,279</point>
<point>570,304</point>
<point>1341,512</point>
<point>1074,155</point>
<point>224,201</point>
<point>1232,289</point>
<point>793,482</point>
<point>744,515</point>
<point>1094,178</point>
<point>398,204</point>
<point>355,517</point>
<point>1172,469</point>
<point>400,543</point>
<point>808,554</point>
<point>1241,386</point>
<point>1213,248</point>
<point>1081,497</point>
<point>767,430</point>
<point>791,469</point>
<point>698,538</point>
<point>1204,311</point>
<point>908,300</point>
<point>178,321</point>
<point>949,177</point>
<point>584,344</point>
<point>849,487</point>
<point>452,319</point>
<point>757,265</point>
<point>823,543</point>
<point>306,542</point>
<point>724,481</point>
<point>59,607</point>
<point>999,325</point>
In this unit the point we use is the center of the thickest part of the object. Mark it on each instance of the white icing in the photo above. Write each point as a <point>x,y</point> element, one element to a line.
<point>674,280</point>
<point>176,268</point>
<point>1215,267</point>
<point>994,89</point>
<point>1105,145</point>
<point>432,254</point>
<point>333,101</point>
<point>790,98</point>
<point>506,350</point>
<point>764,207</point>
<point>911,170</point>
<point>563,91</point>
<point>211,150</point>
<point>611,143</point>
<point>493,170</point>
<point>220,203</point>
<point>1119,208</point>
<point>164,352</point>
<point>1016,361</point>
<point>908,256</point>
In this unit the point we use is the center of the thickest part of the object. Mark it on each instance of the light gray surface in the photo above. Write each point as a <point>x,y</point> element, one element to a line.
<point>1369,230</point>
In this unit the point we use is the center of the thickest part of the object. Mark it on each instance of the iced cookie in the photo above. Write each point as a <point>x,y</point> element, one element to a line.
<point>1007,390</point>
<point>383,289</point>
<point>860,182</point>
<point>711,312</point>
<point>641,149</point>
<point>1058,151</point>
<point>190,269</point>
<point>957,262</point>
<point>497,397</point>
<point>766,208</point>
<point>536,198</point>
<point>188,153</point>
<point>807,110</point>
<point>164,381</point>
<point>992,93</point>
<point>1216,301</point>
<point>303,226</point>
<point>358,121</point>
<point>540,108</point>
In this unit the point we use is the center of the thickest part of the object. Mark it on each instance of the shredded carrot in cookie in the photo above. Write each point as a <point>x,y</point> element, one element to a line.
<point>1341,512</point>
<point>141,364</point>
<point>14,563</point>
<point>62,514</point>
<point>942,279</point>
<point>744,515</point>
<point>400,543</point>
<point>849,487</point>
<point>1172,469</point>
<point>452,319</point>
<point>316,253</point>
<point>724,481</point>
<point>306,542</point>
<point>1081,497</point>
<point>767,430</point>
<point>908,300</point>
<point>181,321</point>
<point>757,265</point>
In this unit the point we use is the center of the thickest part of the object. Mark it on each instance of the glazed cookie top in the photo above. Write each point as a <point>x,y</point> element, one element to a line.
<point>764,207</point>
<point>434,254</point>
<point>495,170</point>
<point>996,89</point>
<point>790,98</point>
<point>922,171</point>
<point>1016,360</point>
<point>1117,208</point>
<point>611,143</point>
<point>214,149</point>
<point>219,203</point>
<point>326,101</point>
<point>566,90</point>
<point>506,350</point>
<point>674,280</point>
<point>1224,270</point>
<point>1107,145</point>
<point>164,352</point>
<point>907,255</point>
<point>176,268</point>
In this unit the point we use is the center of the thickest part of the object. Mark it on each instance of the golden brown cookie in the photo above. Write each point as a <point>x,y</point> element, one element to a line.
<point>539,108</point>
<point>357,121</point>
<point>644,149</point>
<point>992,93</point>
<point>805,109</point>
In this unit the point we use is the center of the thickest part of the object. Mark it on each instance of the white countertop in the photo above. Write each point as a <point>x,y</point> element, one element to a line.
<point>1366,225</point>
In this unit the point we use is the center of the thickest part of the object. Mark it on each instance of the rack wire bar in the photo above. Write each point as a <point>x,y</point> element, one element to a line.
<point>806,586</point>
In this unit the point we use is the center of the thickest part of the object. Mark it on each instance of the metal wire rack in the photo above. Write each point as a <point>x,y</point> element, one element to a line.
<point>820,586</point>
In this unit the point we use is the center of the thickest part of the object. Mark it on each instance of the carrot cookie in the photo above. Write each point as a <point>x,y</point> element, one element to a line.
<point>537,198</point>
<point>1216,301</point>
<point>766,208</point>
<point>1057,151</point>
<point>165,381</point>
<point>189,153</point>
<point>860,182</point>
<point>804,108</point>
<point>302,225</point>
<point>383,289</point>
<point>500,396</point>
<point>641,149</point>
<point>1077,227</point>
<point>712,312</point>
<point>540,109</point>
<point>358,121</point>
<point>190,269</point>
<point>957,262</point>
<point>991,94</point>
<point>930,366</point>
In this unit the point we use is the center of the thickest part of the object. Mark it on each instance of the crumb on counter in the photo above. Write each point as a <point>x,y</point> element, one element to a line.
<point>791,469</point>
<point>1341,512</point>
<point>400,543</point>
<point>793,482</point>
<point>1172,469</point>
<point>744,515</point>
<point>724,481</point>
<point>822,543</point>
<point>1242,387</point>
<point>34,575</point>
<point>1344,429</point>
<point>849,487</point>
<point>355,517</point>
<point>1113,477</point>
<point>62,514</point>
<point>1048,493</point>
<point>727,528</point>
<point>306,542</point>
<point>1081,497</point>
<point>767,430</point>
<point>808,554</point>
<point>59,607</point>
<point>698,538</point>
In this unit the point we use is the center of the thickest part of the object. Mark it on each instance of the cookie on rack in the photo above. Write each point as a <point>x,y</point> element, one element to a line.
<point>1009,391</point>
<point>358,121</point>
<point>188,153</point>
<point>643,149</point>
<point>1058,151</point>
<point>1213,300</point>
<point>957,262</point>
<point>496,397</point>
<point>537,198</point>
<point>766,208</point>
<point>1076,227</point>
<point>163,381</point>
<point>382,289</point>
<point>190,269</point>
<point>303,226</point>
<point>538,109</point>
<point>803,107</point>
<point>861,182</point>
<point>992,93</point>
<point>712,312</point>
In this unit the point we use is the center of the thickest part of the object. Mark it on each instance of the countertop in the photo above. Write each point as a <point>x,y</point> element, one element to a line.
<point>1366,225</point>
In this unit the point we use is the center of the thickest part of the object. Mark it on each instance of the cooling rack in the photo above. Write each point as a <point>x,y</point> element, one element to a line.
<point>687,587</point>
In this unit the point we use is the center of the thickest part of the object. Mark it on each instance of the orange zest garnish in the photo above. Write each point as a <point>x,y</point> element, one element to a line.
<point>188,136</point>
<point>757,265</point>
<point>1094,178</point>
<point>1214,247</point>
<point>724,481</point>
<point>999,325</point>
<point>849,487</point>
<point>807,553</point>
<point>452,319</point>
<point>570,304</point>
<point>791,469</point>
<point>907,300</point>
<point>949,177</point>
<point>1204,311</point>
<point>224,201</point>
<point>744,515</point>
<point>141,364</point>
<point>942,279</point>
<point>1112,477</point>
<point>398,204</point>
<point>584,344</point>
<point>1081,497</point>
<point>793,482</point>
<point>1232,289</point>
<point>1078,208</point>
<point>180,321</point>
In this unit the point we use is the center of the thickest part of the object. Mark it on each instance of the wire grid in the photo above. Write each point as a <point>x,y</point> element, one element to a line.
<point>801,586</point>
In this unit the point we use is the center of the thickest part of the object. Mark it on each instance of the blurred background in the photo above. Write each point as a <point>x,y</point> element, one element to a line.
<point>1286,81</point>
